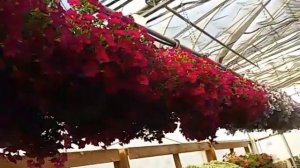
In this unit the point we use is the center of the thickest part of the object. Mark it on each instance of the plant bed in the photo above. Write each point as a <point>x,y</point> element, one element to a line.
<point>216,164</point>
<point>250,160</point>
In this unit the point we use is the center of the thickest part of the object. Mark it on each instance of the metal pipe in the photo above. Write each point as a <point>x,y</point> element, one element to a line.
<point>267,137</point>
<point>289,150</point>
<point>260,148</point>
<point>112,2</point>
<point>254,147</point>
<point>204,32</point>
<point>172,42</point>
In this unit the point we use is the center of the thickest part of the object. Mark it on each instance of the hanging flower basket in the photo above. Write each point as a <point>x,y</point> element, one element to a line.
<point>86,75</point>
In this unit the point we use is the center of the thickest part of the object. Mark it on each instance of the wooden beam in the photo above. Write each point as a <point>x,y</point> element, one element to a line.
<point>230,144</point>
<point>20,164</point>
<point>92,157</point>
<point>74,159</point>
<point>150,151</point>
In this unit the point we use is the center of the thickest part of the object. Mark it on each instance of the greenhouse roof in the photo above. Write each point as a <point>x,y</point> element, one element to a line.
<point>263,31</point>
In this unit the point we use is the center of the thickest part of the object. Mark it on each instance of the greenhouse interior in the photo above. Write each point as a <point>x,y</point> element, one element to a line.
<point>149,84</point>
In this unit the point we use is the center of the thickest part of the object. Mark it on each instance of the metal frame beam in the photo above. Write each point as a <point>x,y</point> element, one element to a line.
<point>207,34</point>
<point>156,8</point>
<point>239,30</point>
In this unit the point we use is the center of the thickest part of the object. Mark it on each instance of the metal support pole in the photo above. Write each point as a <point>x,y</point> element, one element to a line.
<point>289,150</point>
<point>260,148</point>
<point>123,4</point>
<point>112,2</point>
<point>254,147</point>
<point>207,34</point>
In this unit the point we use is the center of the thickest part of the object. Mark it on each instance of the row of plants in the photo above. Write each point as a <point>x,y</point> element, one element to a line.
<point>250,160</point>
<point>216,164</point>
<point>86,75</point>
<point>241,161</point>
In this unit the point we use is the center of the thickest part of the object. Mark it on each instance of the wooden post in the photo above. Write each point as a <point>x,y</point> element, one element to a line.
<point>177,160</point>
<point>231,150</point>
<point>124,161</point>
<point>211,154</point>
<point>117,164</point>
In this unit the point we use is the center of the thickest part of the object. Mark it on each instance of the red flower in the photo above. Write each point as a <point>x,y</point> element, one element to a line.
<point>10,47</point>
<point>193,77</point>
<point>143,80</point>
<point>88,17</point>
<point>102,16</point>
<point>140,60</point>
<point>199,90</point>
<point>109,38</point>
<point>213,94</point>
<point>74,2</point>
<point>120,32</point>
<point>94,2</point>
<point>101,54</point>
<point>134,33</point>
<point>91,69</point>
<point>110,71</point>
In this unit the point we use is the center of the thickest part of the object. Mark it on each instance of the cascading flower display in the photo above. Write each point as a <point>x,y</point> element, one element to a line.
<point>86,75</point>
<point>203,95</point>
<point>282,115</point>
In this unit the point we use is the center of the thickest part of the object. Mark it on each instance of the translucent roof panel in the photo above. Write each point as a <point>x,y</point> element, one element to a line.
<point>266,32</point>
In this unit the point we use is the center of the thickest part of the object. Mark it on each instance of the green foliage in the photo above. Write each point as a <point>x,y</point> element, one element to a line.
<point>297,160</point>
<point>216,164</point>
<point>250,160</point>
